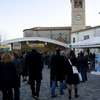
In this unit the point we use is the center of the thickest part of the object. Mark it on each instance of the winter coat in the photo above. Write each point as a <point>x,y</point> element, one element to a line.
<point>8,75</point>
<point>83,67</point>
<point>57,67</point>
<point>34,63</point>
<point>71,77</point>
<point>18,65</point>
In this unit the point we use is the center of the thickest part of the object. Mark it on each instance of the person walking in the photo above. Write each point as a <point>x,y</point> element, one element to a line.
<point>8,76</point>
<point>83,66</point>
<point>72,79</point>
<point>35,65</point>
<point>17,60</point>
<point>57,72</point>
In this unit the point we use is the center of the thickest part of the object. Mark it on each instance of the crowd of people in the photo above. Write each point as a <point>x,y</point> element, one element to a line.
<point>14,65</point>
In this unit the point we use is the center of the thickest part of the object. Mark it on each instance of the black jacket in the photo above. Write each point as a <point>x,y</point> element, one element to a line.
<point>8,75</point>
<point>58,66</point>
<point>35,64</point>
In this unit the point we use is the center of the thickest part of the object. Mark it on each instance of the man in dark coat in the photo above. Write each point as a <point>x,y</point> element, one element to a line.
<point>83,66</point>
<point>57,72</point>
<point>35,65</point>
<point>18,65</point>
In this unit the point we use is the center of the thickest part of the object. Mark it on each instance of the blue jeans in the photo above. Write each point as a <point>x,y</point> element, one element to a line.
<point>61,87</point>
<point>53,87</point>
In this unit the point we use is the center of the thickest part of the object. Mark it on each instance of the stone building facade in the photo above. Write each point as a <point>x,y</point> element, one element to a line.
<point>56,33</point>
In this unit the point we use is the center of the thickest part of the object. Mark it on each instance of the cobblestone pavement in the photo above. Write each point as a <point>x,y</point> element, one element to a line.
<point>88,91</point>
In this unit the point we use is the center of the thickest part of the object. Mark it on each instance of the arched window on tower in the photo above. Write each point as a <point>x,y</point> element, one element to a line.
<point>78,3</point>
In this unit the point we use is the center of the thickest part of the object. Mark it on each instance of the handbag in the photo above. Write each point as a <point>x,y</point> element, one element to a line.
<point>75,71</point>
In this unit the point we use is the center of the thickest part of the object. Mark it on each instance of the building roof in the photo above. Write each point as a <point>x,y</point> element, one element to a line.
<point>48,28</point>
<point>87,28</point>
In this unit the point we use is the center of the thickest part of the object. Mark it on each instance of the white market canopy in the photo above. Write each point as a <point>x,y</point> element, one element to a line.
<point>92,42</point>
<point>40,39</point>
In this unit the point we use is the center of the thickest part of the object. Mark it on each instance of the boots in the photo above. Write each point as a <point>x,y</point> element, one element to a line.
<point>69,91</point>
<point>76,93</point>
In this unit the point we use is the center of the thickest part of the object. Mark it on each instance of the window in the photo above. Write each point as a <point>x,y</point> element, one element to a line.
<point>60,34</point>
<point>78,4</point>
<point>86,37</point>
<point>74,40</point>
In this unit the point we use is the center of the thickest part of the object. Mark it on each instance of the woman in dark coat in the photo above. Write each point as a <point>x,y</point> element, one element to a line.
<point>72,79</point>
<point>8,76</point>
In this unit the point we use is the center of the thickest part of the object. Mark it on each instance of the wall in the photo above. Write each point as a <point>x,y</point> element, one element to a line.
<point>79,36</point>
<point>53,34</point>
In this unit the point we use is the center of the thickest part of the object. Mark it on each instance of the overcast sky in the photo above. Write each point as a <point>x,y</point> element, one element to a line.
<point>17,15</point>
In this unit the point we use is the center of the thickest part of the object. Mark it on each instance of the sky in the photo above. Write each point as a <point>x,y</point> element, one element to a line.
<point>17,15</point>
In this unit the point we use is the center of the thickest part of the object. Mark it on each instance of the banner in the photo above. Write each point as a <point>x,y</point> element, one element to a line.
<point>97,62</point>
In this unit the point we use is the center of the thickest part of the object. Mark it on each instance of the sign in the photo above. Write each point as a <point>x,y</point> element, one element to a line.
<point>37,45</point>
<point>17,46</point>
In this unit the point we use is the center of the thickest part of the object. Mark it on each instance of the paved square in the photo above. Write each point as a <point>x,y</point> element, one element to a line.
<point>87,91</point>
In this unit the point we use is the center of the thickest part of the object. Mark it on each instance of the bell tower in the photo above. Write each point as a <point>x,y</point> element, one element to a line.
<point>78,14</point>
